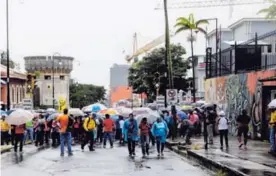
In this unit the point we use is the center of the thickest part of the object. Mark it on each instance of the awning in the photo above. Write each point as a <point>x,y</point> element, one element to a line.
<point>232,42</point>
<point>3,82</point>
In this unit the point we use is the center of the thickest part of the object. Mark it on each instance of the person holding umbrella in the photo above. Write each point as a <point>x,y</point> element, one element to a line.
<point>130,132</point>
<point>19,136</point>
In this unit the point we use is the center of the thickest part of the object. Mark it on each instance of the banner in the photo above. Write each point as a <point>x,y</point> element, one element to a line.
<point>62,104</point>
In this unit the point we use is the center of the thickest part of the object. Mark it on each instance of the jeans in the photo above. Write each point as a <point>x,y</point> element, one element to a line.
<point>29,131</point>
<point>272,139</point>
<point>55,139</point>
<point>109,136</point>
<point>223,133</point>
<point>100,135</point>
<point>89,137</point>
<point>39,138</point>
<point>131,146</point>
<point>145,144</point>
<point>210,133</point>
<point>18,138</point>
<point>160,146</point>
<point>65,136</point>
<point>5,137</point>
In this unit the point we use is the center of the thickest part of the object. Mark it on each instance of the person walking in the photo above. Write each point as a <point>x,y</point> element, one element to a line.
<point>272,124</point>
<point>130,132</point>
<point>29,132</point>
<point>19,137</point>
<point>160,131</point>
<point>99,123</point>
<point>243,121</point>
<point>121,122</point>
<point>5,127</point>
<point>65,132</point>
<point>40,126</point>
<point>191,123</point>
<point>222,124</point>
<point>109,126</point>
<point>76,129</point>
<point>169,121</point>
<point>210,121</point>
<point>47,130</point>
<point>144,136</point>
<point>89,126</point>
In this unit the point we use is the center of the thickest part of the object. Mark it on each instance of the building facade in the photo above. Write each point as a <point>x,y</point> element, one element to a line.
<point>17,88</point>
<point>49,68</point>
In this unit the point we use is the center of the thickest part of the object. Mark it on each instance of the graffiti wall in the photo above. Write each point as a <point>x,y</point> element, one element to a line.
<point>234,93</point>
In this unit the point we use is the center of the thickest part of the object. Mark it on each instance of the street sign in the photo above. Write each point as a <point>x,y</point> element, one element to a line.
<point>160,101</point>
<point>171,96</point>
<point>27,104</point>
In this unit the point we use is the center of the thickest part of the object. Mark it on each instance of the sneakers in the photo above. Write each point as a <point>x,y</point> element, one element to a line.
<point>158,155</point>
<point>162,154</point>
<point>92,150</point>
<point>62,154</point>
<point>70,154</point>
<point>241,144</point>
<point>104,146</point>
<point>221,147</point>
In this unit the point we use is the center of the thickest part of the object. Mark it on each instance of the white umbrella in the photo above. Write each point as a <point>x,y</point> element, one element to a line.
<point>19,117</point>
<point>143,110</point>
<point>123,111</point>
<point>272,104</point>
<point>76,112</point>
<point>50,110</point>
<point>94,107</point>
<point>151,118</point>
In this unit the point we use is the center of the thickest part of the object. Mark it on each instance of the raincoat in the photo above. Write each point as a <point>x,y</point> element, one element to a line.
<point>135,130</point>
<point>161,130</point>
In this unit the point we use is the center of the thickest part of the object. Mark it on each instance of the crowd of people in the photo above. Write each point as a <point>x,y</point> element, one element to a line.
<point>91,129</point>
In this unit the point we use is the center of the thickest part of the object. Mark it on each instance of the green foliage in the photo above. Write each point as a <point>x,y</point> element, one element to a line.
<point>85,94</point>
<point>141,74</point>
<point>183,24</point>
<point>37,74</point>
<point>221,173</point>
<point>270,11</point>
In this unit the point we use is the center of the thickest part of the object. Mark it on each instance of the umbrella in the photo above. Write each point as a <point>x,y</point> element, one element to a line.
<point>19,117</point>
<point>53,116</point>
<point>109,111</point>
<point>272,104</point>
<point>143,110</point>
<point>208,105</point>
<point>152,117</point>
<point>182,115</point>
<point>123,111</point>
<point>76,112</point>
<point>114,117</point>
<point>50,110</point>
<point>94,107</point>
<point>153,106</point>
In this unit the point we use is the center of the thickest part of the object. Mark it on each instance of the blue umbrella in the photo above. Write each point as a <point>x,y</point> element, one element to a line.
<point>114,117</point>
<point>182,115</point>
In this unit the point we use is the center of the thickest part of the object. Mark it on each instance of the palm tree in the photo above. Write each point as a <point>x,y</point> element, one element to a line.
<point>189,24</point>
<point>270,11</point>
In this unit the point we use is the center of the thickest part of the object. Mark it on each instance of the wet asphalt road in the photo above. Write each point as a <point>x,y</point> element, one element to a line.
<point>102,162</point>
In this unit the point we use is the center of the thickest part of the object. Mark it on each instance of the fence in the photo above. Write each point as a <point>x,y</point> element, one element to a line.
<point>244,57</point>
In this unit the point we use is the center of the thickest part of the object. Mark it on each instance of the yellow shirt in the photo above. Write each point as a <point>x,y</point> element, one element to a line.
<point>4,126</point>
<point>89,126</point>
<point>273,119</point>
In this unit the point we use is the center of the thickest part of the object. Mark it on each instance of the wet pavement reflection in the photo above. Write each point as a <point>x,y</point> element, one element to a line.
<point>100,162</point>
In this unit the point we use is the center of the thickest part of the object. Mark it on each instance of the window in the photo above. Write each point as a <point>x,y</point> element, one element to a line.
<point>262,47</point>
<point>61,77</point>
<point>47,77</point>
<point>269,48</point>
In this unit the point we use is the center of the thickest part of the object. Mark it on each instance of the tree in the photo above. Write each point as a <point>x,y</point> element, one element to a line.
<point>4,60</point>
<point>270,11</point>
<point>189,24</point>
<point>142,75</point>
<point>85,94</point>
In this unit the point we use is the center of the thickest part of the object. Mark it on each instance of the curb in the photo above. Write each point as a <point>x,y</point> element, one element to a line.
<point>207,163</point>
<point>8,149</point>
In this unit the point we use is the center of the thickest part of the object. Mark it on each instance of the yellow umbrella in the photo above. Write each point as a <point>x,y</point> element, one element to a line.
<point>109,111</point>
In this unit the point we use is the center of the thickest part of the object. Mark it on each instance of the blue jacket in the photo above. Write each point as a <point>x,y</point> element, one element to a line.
<point>168,119</point>
<point>160,130</point>
<point>134,135</point>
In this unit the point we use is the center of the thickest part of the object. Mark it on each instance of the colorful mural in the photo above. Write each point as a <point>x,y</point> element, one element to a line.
<point>234,93</point>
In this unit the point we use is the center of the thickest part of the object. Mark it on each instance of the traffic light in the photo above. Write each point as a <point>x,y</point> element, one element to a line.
<point>157,77</point>
<point>29,83</point>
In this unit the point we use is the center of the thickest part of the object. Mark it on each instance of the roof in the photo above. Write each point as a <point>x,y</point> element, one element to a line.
<point>13,73</point>
<point>237,23</point>
<point>213,32</point>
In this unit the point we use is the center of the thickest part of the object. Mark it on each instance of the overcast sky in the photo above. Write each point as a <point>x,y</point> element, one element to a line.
<point>95,32</point>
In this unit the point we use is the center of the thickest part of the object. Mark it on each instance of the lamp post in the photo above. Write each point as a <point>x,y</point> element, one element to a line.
<point>8,56</point>
<point>53,75</point>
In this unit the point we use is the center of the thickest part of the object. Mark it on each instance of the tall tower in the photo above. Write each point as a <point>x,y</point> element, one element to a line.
<point>44,67</point>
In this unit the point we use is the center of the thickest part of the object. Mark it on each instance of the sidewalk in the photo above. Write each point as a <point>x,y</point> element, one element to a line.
<point>7,148</point>
<point>253,161</point>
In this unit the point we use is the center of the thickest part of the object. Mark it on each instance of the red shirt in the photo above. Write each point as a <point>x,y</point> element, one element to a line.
<point>144,129</point>
<point>20,129</point>
<point>108,125</point>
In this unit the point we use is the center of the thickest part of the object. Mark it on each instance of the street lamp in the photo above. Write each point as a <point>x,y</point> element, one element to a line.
<point>8,56</point>
<point>53,75</point>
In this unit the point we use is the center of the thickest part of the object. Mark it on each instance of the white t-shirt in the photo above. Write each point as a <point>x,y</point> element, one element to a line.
<point>222,123</point>
<point>121,122</point>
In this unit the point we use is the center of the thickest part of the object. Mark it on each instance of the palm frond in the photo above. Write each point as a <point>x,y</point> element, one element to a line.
<point>202,30</point>
<point>266,10</point>
<point>191,19</point>
<point>183,20</point>
<point>184,28</point>
<point>200,22</point>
